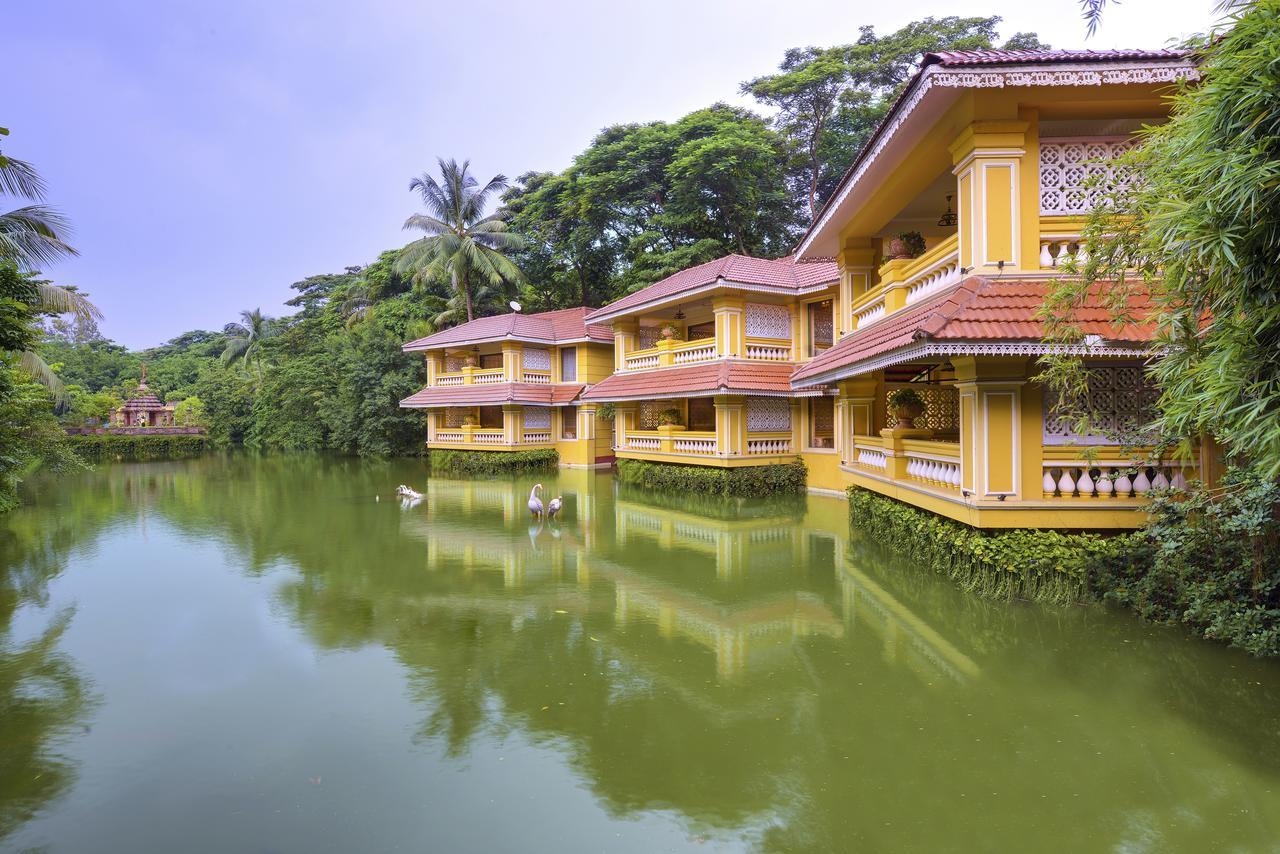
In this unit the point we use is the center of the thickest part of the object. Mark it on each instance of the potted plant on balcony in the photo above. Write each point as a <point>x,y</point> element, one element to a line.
<point>669,418</point>
<point>670,332</point>
<point>469,420</point>
<point>906,405</point>
<point>908,244</point>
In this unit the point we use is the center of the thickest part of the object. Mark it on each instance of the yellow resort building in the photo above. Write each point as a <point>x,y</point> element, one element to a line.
<point>994,158</point>
<point>513,382</point>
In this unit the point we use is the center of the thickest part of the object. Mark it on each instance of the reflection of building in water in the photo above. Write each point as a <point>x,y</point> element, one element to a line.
<point>906,638</point>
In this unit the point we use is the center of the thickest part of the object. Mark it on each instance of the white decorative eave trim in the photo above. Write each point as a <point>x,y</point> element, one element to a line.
<point>999,77</point>
<point>928,349</point>
<point>604,316</point>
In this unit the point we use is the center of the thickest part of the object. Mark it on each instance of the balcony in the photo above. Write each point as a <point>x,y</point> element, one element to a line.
<point>489,439</point>
<point>904,281</point>
<point>491,376</point>
<point>704,446</point>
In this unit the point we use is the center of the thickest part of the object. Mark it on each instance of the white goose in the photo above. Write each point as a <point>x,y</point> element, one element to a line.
<point>406,492</point>
<point>535,503</point>
<point>554,507</point>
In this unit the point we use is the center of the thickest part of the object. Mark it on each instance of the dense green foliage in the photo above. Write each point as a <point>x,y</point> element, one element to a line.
<point>30,436</point>
<point>744,482</point>
<point>1210,560</point>
<point>491,462</point>
<point>1023,564</point>
<point>109,447</point>
<point>1201,234</point>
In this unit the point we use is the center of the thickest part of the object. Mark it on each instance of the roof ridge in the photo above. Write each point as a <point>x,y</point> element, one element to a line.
<point>961,298</point>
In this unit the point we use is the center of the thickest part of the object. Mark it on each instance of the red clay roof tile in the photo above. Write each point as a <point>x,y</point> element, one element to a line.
<point>978,309</point>
<point>1022,57</point>
<point>546,327</point>
<point>729,376</point>
<point>784,274</point>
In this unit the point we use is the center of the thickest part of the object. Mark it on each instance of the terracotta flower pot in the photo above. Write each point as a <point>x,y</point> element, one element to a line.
<point>898,248</point>
<point>907,413</point>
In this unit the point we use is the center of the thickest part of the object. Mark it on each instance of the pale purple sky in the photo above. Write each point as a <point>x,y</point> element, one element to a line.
<point>210,154</point>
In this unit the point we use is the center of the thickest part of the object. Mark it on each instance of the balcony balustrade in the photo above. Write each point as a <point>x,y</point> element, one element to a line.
<point>703,444</point>
<point>1111,479</point>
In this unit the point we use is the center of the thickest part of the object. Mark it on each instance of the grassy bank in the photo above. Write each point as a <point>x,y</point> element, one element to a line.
<point>745,482</point>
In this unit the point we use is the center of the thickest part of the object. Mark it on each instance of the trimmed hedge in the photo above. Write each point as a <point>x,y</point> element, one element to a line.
<point>1018,564</point>
<point>134,448</point>
<point>745,482</point>
<point>492,462</point>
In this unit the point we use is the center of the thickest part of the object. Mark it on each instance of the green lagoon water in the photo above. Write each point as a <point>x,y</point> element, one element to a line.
<point>255,655</point>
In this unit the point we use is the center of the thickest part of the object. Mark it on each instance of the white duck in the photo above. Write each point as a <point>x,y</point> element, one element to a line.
<point>554,507</point>
<point>535,503</point>
<point>405,492</point>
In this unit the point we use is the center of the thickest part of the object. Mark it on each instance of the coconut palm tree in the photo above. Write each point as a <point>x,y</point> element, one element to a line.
<point>32,235</point>
<point>462,244</point>
<point>247,337</point>
<point>40,297</point>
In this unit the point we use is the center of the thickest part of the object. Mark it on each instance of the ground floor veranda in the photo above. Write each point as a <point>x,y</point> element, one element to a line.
<point>574,432</point>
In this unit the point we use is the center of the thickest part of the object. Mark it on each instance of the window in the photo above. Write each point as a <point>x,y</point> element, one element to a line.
<point>569,422</point>
<point>491,417</point>
<point>568,365</point>
<point>491,361</point>
<point>702,414</point>
<point>822,422</point>
<point>701,331</point>
<point>821,326</point>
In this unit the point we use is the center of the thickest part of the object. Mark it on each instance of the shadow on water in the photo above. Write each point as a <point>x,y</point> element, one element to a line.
<point>740,664</point>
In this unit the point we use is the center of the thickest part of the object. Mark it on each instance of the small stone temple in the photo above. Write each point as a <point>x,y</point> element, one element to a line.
<point>144,409</point>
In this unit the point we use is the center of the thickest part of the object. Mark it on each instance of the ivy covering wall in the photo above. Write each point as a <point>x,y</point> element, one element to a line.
<point>746,482</point>
<point>492,462</point>
<point>111,447</point>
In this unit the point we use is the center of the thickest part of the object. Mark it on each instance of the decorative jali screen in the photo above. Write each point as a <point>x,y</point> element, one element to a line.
<point>453,416</point>
<point>537,417</point>
<point>1077,174</point>
<point>453,364</point>
<point>1120,401</point>
<point>941,406</point>
<point>768,414</point>
<point>768,321</point>
<point>648,337</point>
<point>535,359</point>
<point>647,415</point>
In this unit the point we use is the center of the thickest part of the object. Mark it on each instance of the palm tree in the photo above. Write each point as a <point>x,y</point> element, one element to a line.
<point>32,235</point>
<point>462,244</point>
<point>247,337</point>
<point>43,297</point>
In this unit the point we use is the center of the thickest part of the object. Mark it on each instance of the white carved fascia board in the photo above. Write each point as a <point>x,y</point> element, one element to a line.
<point>926,350</point>
<point>1076,74</point>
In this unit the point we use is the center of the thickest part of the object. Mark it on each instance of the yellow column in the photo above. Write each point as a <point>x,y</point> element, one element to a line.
<point>857,266</point>
<point>731,326</point>
<point>731,425</point>
<point>624,421</point>
<point>626,335</point>
<point>512,354</point>
<point>512,425</point>
<point>435,366</point>
<point>797,426</point>
<point>992,437</point>
<point>990,159</point>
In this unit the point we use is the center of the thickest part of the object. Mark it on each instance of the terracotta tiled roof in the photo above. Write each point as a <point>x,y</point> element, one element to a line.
<point>1022,57</point>
<point>729,376</point>
<point>527,394</point>
<point>782,274</point>
<point>978,310</point>
<point>546,327</point>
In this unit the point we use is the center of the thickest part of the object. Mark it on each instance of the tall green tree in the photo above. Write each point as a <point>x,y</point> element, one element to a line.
<point>33,234</point>
<point>1199,235</point>
<point>247,338</point>
<point>463,244</point>
<point>829,100</point>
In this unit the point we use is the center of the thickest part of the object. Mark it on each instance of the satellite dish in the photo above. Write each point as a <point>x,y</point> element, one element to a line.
<point>515,306</point>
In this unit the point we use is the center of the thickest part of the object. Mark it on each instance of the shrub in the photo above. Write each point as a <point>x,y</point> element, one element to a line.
<point>1209,559</point>
<point>492,462</point>
<point>108,447</point>
<point>669,416</point>
<point>748,481</point>
<point>1025,564</point>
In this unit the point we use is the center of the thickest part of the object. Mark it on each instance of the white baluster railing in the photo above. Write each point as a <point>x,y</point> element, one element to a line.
<point>450,436</point>
<point>1114,478</point>
<point>694,446</point>
<point>644,443</point>
<point>489,437</point>
<point>939,277</point>
<point>1055,251</point>
<point>937,471</point>
<point>869,313</point>
<point>769,352</point>
<point>537,436</point>
<point>449,379</point>
<point>768,446</point>
<point>489,377</point>
<point>870,457</point>
<point>537,377</point>
<point>640,361</point>
<point>703,352</point>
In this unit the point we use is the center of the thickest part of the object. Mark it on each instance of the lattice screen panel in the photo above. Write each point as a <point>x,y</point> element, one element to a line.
<point>453,416</point>
<point>768,321</point>
<point>537,417</point>
<point>649,336</point>
<point>941,406</point>
<point>768,414</point>
<point>1076,175</point>
<point>1121,401</point>
<point>453,364</point>
<point>647,415</point>
<point>535,359</point>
